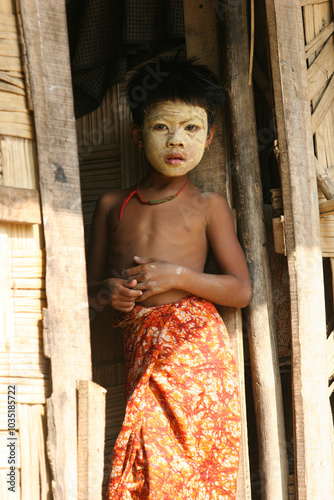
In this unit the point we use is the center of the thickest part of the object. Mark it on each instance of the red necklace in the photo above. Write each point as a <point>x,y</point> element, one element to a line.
<point>150,202</point>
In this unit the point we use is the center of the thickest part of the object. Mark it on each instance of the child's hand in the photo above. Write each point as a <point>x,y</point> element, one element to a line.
<point>123,295</point>
<point>153,276</point>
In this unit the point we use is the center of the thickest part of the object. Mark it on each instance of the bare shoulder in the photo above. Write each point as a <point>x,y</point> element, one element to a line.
<point>112,200</point>
<point>214,205</point>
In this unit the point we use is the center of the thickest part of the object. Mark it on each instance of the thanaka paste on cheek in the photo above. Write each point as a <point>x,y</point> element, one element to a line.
<point>175,139</point>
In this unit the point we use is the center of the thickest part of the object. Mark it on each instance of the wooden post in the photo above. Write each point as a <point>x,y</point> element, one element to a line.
<point>203,41</point>
<point>312,423</point>
<point>91,434</point>
<point>67,336</point>
<point>249,206</point>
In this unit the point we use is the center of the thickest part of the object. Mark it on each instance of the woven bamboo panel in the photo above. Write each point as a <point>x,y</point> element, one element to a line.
<point>15,119</point>
<point>17,152</point>
<point>319,38</point>
<point>109,374</point>
<point>35,475</point>
<point>100,127</point>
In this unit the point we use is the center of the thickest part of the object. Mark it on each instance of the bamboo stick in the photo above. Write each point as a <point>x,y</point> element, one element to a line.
<point>323,106</point>
<point>326,206</point>
<point>8,87</point>
<point>9,48</point>
<point>8,19</point>
<point>321,69</point>
<point>319,40</point>
<point>14,81</point>
<point>324,181</point>
<point>10,63</point>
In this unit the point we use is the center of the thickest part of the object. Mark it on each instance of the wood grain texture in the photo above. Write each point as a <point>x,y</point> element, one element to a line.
<point>312,426</point>
<point>261,325</point>
<point>91,427</point>
<point>19,205</point>
<point>203,27</point>
<point>67,336</point>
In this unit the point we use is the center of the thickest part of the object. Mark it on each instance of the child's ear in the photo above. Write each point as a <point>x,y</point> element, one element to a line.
<point>210,135</point>
<point>136,135</point>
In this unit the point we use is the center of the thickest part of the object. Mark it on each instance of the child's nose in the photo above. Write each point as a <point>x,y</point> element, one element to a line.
<point>175,138</point>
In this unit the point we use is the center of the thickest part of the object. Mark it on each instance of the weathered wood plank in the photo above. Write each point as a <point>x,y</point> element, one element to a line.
<point>67,338</point>
<point>203,41</point>
<point>20,205</point>
<point>260,313</point>
<point>91,427</point>
<point>312,426</point>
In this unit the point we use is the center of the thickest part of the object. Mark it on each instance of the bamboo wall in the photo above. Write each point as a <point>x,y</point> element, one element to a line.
<point>22,280</point>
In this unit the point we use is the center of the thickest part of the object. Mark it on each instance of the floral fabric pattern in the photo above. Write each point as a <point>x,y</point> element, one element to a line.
<point>180,437</point>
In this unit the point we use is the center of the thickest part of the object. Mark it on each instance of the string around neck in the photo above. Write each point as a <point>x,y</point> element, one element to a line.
<point>136,192</point>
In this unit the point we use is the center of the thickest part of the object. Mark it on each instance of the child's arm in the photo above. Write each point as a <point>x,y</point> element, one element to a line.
<point>232,288</point>
<point>118,292</point>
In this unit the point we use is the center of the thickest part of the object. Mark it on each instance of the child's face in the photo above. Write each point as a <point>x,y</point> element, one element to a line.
<point>174,136</point>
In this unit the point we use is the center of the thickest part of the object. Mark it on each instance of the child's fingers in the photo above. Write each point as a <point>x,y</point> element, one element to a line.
<point>123,291</point>
<point>132,271</point>
<point>128,283</point>
<point>145,295</point>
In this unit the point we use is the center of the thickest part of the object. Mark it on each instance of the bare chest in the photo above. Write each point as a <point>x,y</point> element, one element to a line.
<point>174,231</point>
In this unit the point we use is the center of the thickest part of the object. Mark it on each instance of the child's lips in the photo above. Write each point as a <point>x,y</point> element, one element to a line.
<point>174,159</point>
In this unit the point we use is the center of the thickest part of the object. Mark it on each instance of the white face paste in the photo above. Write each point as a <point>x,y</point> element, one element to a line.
<point>174,135</point>
<point>179,270</point>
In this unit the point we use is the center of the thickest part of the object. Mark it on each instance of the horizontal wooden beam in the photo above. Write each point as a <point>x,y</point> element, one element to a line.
<point>20,205</point>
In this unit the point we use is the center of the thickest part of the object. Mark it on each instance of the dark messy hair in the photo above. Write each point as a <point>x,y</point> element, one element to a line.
<point>172,78</point>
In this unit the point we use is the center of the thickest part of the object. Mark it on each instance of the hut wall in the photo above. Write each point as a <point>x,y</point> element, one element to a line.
<point>294,85</point>
<point>318,23</point>
<point>22,282</point>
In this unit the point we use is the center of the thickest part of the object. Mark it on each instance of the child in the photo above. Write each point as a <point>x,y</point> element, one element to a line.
<point>181,432</point>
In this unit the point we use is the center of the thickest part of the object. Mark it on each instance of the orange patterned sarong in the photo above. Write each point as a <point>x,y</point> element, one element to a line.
<point>180,437</point>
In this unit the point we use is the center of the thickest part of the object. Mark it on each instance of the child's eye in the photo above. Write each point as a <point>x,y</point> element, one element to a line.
<point>160,126</point>
<point>192,128</point>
